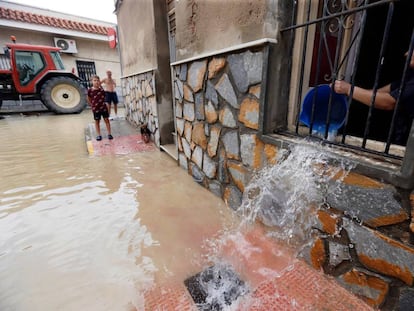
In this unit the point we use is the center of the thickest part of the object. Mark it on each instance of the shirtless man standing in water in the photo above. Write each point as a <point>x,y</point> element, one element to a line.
<point>110,93</point>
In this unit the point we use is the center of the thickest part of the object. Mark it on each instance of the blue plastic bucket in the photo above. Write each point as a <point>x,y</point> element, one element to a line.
<point>338,109</point>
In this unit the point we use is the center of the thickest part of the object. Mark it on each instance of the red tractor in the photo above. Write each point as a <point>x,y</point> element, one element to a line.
<point>37,73</point>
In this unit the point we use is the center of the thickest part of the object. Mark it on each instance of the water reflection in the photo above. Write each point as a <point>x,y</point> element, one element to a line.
<point>91,233</point>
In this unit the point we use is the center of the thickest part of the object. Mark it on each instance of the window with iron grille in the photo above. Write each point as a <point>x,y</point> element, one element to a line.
<point>364,43</point>
<point>86,70</point>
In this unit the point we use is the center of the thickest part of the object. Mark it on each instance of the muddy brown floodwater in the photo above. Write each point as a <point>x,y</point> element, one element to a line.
<point>92,233</point>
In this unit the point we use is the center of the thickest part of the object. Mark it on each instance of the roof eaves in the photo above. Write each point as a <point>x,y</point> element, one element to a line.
<point>27,17</point>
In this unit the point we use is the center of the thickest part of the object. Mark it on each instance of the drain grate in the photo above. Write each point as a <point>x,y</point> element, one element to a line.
<point>215,288</point>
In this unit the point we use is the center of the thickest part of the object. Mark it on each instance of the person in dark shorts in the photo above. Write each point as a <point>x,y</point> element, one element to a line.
<point>386,99</point>
<point>110,93</point>
<point>96,99</point>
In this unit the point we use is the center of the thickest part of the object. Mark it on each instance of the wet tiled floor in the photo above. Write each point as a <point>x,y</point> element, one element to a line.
<point>278,281</point>
<point>126,139</point>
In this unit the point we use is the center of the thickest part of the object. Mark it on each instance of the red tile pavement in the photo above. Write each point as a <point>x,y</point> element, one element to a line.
<point>278,281</point>
<point>119,145</point>
<point>173,297</point>
<point>302,288</point>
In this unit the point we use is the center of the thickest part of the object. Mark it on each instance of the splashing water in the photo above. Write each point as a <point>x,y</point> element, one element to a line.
<point>285,198</point>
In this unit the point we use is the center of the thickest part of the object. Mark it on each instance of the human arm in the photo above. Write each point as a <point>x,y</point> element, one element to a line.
<point>383,99</point>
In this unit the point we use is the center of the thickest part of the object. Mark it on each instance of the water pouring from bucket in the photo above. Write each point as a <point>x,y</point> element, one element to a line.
<point>278,217</point>
<point>319,97</point>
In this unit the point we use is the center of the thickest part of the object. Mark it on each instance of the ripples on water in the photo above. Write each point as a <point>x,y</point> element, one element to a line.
<point>70,239</point>
<point>72,235</point>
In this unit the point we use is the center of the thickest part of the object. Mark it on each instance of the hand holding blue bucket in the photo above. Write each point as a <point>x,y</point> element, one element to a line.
<point>320,96</point>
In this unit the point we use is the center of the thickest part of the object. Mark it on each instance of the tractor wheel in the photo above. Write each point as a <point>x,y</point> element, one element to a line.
<point>63,95</point>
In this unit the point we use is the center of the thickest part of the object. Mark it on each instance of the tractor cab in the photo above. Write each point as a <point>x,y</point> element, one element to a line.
<point>29,63</point>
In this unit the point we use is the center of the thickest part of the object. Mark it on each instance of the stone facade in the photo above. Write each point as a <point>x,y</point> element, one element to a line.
<point>217,118</point>
<point>141,102</point>
<point>360,237</point>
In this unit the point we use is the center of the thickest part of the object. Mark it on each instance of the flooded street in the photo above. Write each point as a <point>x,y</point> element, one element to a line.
<point>92,233</point>
<point>135,232</point>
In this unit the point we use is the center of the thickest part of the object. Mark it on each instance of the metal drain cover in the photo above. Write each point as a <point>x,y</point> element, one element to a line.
<point>215,288</point>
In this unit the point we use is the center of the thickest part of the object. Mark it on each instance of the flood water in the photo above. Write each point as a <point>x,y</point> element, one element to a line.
<point>79,232</point>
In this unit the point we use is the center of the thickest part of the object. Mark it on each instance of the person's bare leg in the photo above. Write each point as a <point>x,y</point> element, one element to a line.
<point>116,109</point>
<point>108,127</point>
<point>108,105</point>
<point>98,127</point>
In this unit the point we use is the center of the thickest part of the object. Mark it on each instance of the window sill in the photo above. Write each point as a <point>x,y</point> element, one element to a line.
<point>372,165</point>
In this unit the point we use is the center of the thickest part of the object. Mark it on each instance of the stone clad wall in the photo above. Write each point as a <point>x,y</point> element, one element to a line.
<point>141,102</point>
<point>217,118</point>
<point>362,239</point>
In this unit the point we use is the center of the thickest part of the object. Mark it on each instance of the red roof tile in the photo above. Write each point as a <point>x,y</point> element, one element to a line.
<point>27,17</point>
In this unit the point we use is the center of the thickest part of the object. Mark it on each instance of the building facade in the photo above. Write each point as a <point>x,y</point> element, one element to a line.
<point>226,82</point>
<point>84,42</point>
